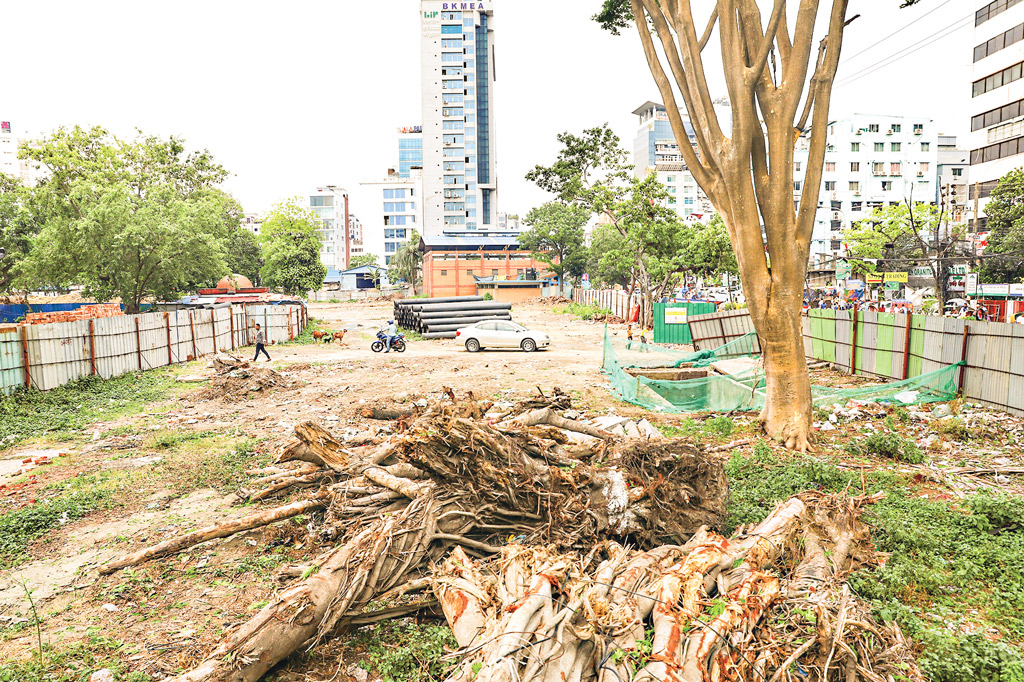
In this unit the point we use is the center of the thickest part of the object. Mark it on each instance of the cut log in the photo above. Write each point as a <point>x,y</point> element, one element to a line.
<point>385,413</point>
<point>219,530</point>
<point>548,416</point>
<point>315,444</point>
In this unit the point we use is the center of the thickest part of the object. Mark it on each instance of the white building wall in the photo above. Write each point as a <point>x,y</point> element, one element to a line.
<point>860,175</point>
<point>378,202</point>
<point>329,204</point>
<point>10,164</point>
<point>988,131</point>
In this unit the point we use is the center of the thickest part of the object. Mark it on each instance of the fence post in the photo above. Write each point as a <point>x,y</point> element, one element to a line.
<point>213,326</point>
<point>290,336</point>
<point>24,352</point>
<point>853,345</point>
<point>232,327</point>
<point>167,323</point>
<point>138,341</point>
<point>192,328</point>
<point>92,346</point>
<point>963,359</point>
<point>245,314</point>
<point>906,350</point>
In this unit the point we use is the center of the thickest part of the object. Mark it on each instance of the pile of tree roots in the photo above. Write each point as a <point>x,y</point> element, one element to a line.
<point>557,553</point>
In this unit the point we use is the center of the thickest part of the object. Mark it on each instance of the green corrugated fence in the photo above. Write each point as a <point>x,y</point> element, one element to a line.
<point>670,320</point>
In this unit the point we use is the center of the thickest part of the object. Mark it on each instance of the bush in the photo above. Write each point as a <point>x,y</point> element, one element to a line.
<point>993,513</point>
<point>488,296</point>
<point>890,445</point>
<point>404,651</point>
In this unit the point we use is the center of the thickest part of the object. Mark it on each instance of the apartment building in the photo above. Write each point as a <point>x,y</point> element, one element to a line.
<point>871,161</point>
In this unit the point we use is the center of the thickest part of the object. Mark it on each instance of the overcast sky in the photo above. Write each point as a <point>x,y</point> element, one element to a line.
<point>291,95</point>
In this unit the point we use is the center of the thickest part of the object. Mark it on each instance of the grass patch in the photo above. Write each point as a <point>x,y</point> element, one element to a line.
<point>74,663</point>
<point>29,413</point>
<point>950,569</point>
<point>714,428</point>
<point>305,338</point>
<point>583,311</point>
<point>60,503</point>
<point>213,467</point>
<point>406,651</point>
<point>890,445</point>
<point>410,335</point>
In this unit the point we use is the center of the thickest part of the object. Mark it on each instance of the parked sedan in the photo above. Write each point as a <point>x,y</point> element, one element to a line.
<point>501,334</point>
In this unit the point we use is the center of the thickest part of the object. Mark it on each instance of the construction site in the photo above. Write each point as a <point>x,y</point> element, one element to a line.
<point>602,509</point>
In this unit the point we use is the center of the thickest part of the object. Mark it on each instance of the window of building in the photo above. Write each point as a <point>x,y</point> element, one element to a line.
<point>958,172</point>
<point>896,127</point>
<point>450,29</point>
<point>688,200</point>
<point>454,206</point>
<point>452,111</point>
<point>394,194</point>
<point>452,125</point>
<point>1001,150</point>
<point>856,205</point>
<point>830,166</point>
<point>855,166</point>
<point>671,201</point>
<point>455,179</point>
<point>895,146</point>
<point>830,185</point>
<point>451,71</point>
<point>925,167</point>
<point>796,185</point>
<point>321,201</point>
<point>670,178</point>
<point>456,140</point>
<point>854,186</point>
<point>454,165</point>
<point>997,115</point>
<point>878,168</point>
<point>925,146</point>
<point>390,247</point>
<point>444,273</point>
<point>873,128</point>
<point>895,169</point>
<point>494,273</point>
<point>879,146</point>
<point>451,57</point>
<point>886,185</point>
<point>992,9</point>
<point>451,43</point>
<point>796,166</point>
<point>452,98</point>
<point>997,80</point>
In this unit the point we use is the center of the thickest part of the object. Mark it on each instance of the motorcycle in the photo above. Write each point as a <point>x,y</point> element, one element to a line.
<point>382,342</point>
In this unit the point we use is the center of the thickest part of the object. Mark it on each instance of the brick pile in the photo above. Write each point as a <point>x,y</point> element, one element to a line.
<point>87,312</point>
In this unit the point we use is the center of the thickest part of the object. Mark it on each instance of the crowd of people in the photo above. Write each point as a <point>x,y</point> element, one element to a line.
<point>962,309</point>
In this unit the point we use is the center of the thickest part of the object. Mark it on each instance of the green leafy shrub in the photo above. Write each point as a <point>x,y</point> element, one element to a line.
<point>723,426</point>
<point>994,513</point>
<point>952,658</point>
<point>890,445</point>
<point>488,296</point>
<point>583,311</point>
<point>953,427</point>
<point>405,651</point>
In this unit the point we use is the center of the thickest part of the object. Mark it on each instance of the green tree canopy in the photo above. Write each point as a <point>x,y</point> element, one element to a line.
<point>363,259</point>
<point>708,250</point>
<point>555,237</point>
<point>1005,213</point>
<point>407,263</point>
<point>291,249</point>
<point>244,255</point>
<point>18,224</point>
<point>128,219</point>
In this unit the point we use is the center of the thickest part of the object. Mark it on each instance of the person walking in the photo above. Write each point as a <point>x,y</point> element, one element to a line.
<point>261,340</point>
<point>629,337</point>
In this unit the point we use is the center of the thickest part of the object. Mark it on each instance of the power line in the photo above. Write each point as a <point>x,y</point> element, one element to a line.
<point>899,30</point>
<point>907,51</point>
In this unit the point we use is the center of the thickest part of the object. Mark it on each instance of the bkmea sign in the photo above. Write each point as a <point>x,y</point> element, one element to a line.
<point>450,6</point>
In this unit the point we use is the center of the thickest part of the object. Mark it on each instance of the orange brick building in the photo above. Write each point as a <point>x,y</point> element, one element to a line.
<point>451,264</point>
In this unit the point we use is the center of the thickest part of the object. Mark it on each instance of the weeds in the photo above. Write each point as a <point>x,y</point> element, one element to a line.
<point>583,311</point>
<point>29,413</point>
<point>74,663</point>
<point>224,472</point>
<point>305,337</point>
<point>405,651</point>
<point>890,445</point>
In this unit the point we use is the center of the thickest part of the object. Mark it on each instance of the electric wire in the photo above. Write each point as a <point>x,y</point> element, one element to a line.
<point>899,30</point>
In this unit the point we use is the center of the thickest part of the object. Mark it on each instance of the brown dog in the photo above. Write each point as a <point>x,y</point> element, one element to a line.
<point>340,338</point>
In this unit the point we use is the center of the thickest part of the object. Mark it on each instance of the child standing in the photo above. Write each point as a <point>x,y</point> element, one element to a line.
<point>629,336</point>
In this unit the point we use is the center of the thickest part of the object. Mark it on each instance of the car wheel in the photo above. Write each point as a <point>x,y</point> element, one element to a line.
<point>472,345</point>
<point>529,345</point>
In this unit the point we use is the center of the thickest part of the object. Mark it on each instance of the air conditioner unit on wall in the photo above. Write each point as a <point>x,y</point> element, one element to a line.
<point>889,131</point>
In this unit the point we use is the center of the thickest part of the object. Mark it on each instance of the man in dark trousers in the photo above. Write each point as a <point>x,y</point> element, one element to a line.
<point>260,340</point>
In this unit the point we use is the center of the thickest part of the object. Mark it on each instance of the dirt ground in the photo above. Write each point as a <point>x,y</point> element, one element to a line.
<point>170,469</point>
<point>166,613</point>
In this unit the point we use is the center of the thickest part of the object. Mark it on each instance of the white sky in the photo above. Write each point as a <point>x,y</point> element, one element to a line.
<point>291,95</point>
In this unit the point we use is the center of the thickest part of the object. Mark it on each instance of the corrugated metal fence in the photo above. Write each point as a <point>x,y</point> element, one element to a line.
<point>615,300</point>
<point>58,353</point>
<point>899,346</point>
<point>671,320</point>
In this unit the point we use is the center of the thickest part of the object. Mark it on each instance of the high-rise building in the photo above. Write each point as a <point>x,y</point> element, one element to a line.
<point>871,161</point>
<point>460,190</point>
<point>997,90</point>
<point>655,150</point>
<point>330,203</point>
<point>10,164</point>
<point>390,209</point>
<point>410,150</point>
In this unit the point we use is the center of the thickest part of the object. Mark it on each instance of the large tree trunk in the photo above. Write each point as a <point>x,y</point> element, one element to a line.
<point>787,412</point>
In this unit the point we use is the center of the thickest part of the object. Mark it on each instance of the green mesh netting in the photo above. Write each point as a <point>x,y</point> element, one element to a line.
<point>744,391</point>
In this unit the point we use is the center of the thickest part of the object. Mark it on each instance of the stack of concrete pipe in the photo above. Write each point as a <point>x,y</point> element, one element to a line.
<point>439,318</point>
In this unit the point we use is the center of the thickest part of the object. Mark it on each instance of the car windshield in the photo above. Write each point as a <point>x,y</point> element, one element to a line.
<point>516,327</point>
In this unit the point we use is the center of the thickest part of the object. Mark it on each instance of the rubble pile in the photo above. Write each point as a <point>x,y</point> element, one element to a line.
<point>557,549</point>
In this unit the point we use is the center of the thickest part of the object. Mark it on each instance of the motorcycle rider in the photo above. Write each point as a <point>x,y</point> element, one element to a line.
<point>392,333</point>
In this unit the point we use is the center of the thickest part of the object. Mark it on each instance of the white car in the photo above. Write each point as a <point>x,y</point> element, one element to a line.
<point>501,334</point>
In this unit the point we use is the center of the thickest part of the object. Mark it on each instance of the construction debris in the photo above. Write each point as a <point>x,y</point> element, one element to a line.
<point>241,383</point>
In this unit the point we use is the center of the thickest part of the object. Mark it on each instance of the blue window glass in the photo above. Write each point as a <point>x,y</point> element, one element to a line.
<point>450,29</point>
<point>471,213</point>
<point>455,179</point>
<point>486,207</point>
<point>470,118</point>
<point>468,21</point>
<point>454,206</point>
<point>451,43</point>
<point>483,134</point>
<point>452,111</point>
<point>454,165</point>
<point>453,125</point>
<point>457,140</point>
<point>455,220</point>
<point>451,16</point>
<point>454,98</point>
<point>390,247</point>
<point>451,57</point>
<point>471,199</point>
<point>389,194</point>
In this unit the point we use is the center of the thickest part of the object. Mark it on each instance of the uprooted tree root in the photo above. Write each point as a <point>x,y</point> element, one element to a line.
<point>523,532</point>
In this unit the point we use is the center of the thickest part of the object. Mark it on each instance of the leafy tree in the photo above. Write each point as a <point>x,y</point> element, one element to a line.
<point>407,263</point>
<point>903,235</point>
<point>774,89</point>
<point>361,260</point>
<point>291,247</point>
<point>18,225</point>
<point>555,237</point>
<point>708,250</point>
<point>128,219</point>
<point>1005,213</point>
<point>608,260</point>
<point>591,172</point>
<point>244,255</point>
